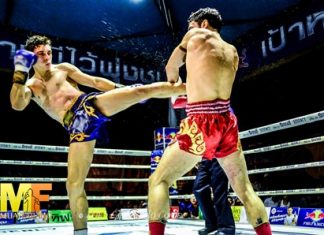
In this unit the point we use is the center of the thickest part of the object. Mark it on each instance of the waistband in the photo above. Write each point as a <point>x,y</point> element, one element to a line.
<point>208,107</point>
<point>75,104</point>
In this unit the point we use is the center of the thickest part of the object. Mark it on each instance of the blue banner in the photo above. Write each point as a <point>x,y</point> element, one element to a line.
<point>124,69</point>
<point>163,136</point>
<point>7,217</point>
<point>23,217</point>
<point>284,215</point>
<point>155,159</point>
<point>311,217</point>
<point>280,40</point>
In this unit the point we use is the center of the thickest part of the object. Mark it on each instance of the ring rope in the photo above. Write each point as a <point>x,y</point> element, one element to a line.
<point>255,171</point>
<point>298,121</point>
<point>249,133</point>
<point>12,146</point>
<point>288,192</point>
<point>287,167</point>
<point>96,198</point>
<point>286,145</point>
<point>31,147</point>
<point>251,151</point>
<point>188,196</point>
<point>64,164</point>
<point>43,179</point>
<point>62,149</point>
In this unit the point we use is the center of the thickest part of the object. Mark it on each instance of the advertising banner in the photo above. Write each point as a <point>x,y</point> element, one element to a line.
<point>134,213</point>
<point>311,217</point>
<point>97,214</point>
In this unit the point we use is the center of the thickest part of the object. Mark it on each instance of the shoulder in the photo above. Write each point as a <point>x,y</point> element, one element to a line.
<point>197,31</point>
<point>67,67</point>
<point>230,46</point>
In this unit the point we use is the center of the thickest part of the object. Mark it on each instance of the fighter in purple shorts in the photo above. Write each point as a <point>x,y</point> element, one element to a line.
<point>54,88</point>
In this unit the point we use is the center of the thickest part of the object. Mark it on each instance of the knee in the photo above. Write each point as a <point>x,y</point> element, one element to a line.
<point>155,180</point>
<point>248,198</point>
<point>74,186</point>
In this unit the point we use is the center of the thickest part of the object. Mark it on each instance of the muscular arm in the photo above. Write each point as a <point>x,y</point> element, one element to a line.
<point>84,79</point>
<point>177,58</point>
<point>20,95</point>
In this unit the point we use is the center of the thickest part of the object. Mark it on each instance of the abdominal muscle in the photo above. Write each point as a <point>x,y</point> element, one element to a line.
<point>58,102</point>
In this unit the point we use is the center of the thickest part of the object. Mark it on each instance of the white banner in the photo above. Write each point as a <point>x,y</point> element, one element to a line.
<point>133,214</point>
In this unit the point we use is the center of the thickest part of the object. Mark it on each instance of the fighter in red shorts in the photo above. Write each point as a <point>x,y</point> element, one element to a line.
<point>210,129</point>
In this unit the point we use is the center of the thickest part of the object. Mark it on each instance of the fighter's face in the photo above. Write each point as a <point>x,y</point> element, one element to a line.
<point>44,55</point>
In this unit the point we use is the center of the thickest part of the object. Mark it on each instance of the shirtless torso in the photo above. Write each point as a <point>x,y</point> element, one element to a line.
<point>211,65</point>
<point>55,92</point>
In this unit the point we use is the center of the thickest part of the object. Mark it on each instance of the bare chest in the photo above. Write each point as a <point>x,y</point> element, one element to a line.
<point>48,85</point>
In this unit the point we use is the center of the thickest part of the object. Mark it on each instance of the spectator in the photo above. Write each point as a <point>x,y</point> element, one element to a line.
<point>270,202</point>
<point>284,202</point>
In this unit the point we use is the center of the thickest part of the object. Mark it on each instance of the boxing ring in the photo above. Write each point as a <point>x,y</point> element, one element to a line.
<point>174,226</point>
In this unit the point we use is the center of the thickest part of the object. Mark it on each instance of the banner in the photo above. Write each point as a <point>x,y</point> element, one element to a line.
<point>311,217</point>
<point>133,214</point>
<point>284,215</point>
<point>38,217</point>
<point>7,217</point>
<point>236,210</point>
<point>97,214</point>
<point>174,212</point>
<point>94,61</point>
<point>28,196</point>
<point>280,39</point>
<point>163,136</point>
<point>59,216</point>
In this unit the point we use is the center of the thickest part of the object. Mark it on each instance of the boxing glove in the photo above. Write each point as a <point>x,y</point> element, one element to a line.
<point>24,60</point>
<point>179,102</point>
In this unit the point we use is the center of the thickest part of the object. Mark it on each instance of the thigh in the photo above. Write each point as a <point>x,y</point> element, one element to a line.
<point>235,168</point>
<point>79,160</point>
<point>117,100</point>
<point>174,164</point>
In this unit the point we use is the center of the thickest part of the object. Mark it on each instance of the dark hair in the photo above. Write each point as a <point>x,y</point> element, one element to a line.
<point>210,14</point>
<point>36,40</point>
